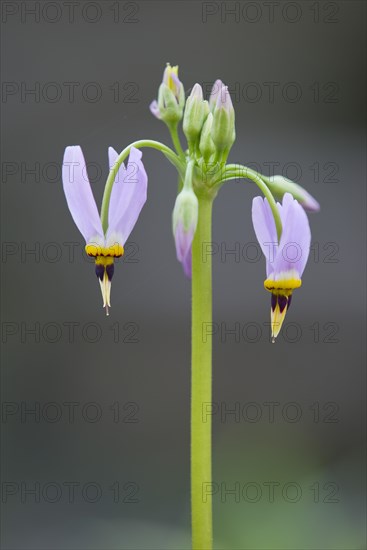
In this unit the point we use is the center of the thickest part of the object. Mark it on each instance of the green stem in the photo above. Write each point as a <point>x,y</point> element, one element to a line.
<point>201,381</point>
<point>169,154</point>
<point>176,140</point>
<point>235,171</point>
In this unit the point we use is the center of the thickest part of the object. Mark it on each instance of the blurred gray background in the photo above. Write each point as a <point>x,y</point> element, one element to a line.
<point>103,461</point>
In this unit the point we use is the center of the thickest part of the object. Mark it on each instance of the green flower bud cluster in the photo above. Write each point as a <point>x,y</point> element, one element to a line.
<point>210,126</point>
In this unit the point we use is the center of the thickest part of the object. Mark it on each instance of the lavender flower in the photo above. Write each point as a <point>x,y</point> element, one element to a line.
<point>128,197</point>
<point>285,262</point>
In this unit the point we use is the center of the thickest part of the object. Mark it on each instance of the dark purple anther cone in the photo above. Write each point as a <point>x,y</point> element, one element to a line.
<point>282,301</point>
<point>274,300</point>
<point>110,271</point>
<point>100,271</point>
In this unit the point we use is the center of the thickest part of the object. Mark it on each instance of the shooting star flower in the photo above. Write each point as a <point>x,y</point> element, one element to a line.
<point>128,196</point>
<point>285,262</point>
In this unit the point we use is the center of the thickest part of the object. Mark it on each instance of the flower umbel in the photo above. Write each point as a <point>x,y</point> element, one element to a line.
<point>128,196</point>
<point>286,261</point>
<point>281,229</point>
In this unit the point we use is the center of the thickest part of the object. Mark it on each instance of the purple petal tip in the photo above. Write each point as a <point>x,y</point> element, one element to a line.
<point>154,109</point>
<point>310,204</point>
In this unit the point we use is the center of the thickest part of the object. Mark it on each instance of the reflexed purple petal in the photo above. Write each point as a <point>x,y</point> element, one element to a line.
<point>112,157</point>
<point>265,229</point>
<point>129,198</point>
<point>117,188</point>
<point>154,109</point>
<point>302,237</point>
<point>294,246</point>
<point>283,208</point>
<point>79,194</point>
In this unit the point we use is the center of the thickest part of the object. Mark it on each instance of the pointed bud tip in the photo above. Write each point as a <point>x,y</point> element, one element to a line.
<point>217,86</point>
<point>224,99</point>
<point>310,204</point>
<point>197,92</point>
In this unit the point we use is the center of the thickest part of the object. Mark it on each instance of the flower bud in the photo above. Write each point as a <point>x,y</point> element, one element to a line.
<point>196,110</point>
<point>184,221</point>
<point>217,86</point>
<point>170,79</point>
<point>171,97</point>
<point>167,105</point>
<point>223,128</point>
<point>279,185</point>
<point>206,145</point>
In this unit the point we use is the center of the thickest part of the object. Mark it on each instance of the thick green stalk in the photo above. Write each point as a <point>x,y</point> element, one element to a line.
<point>201,380</point>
